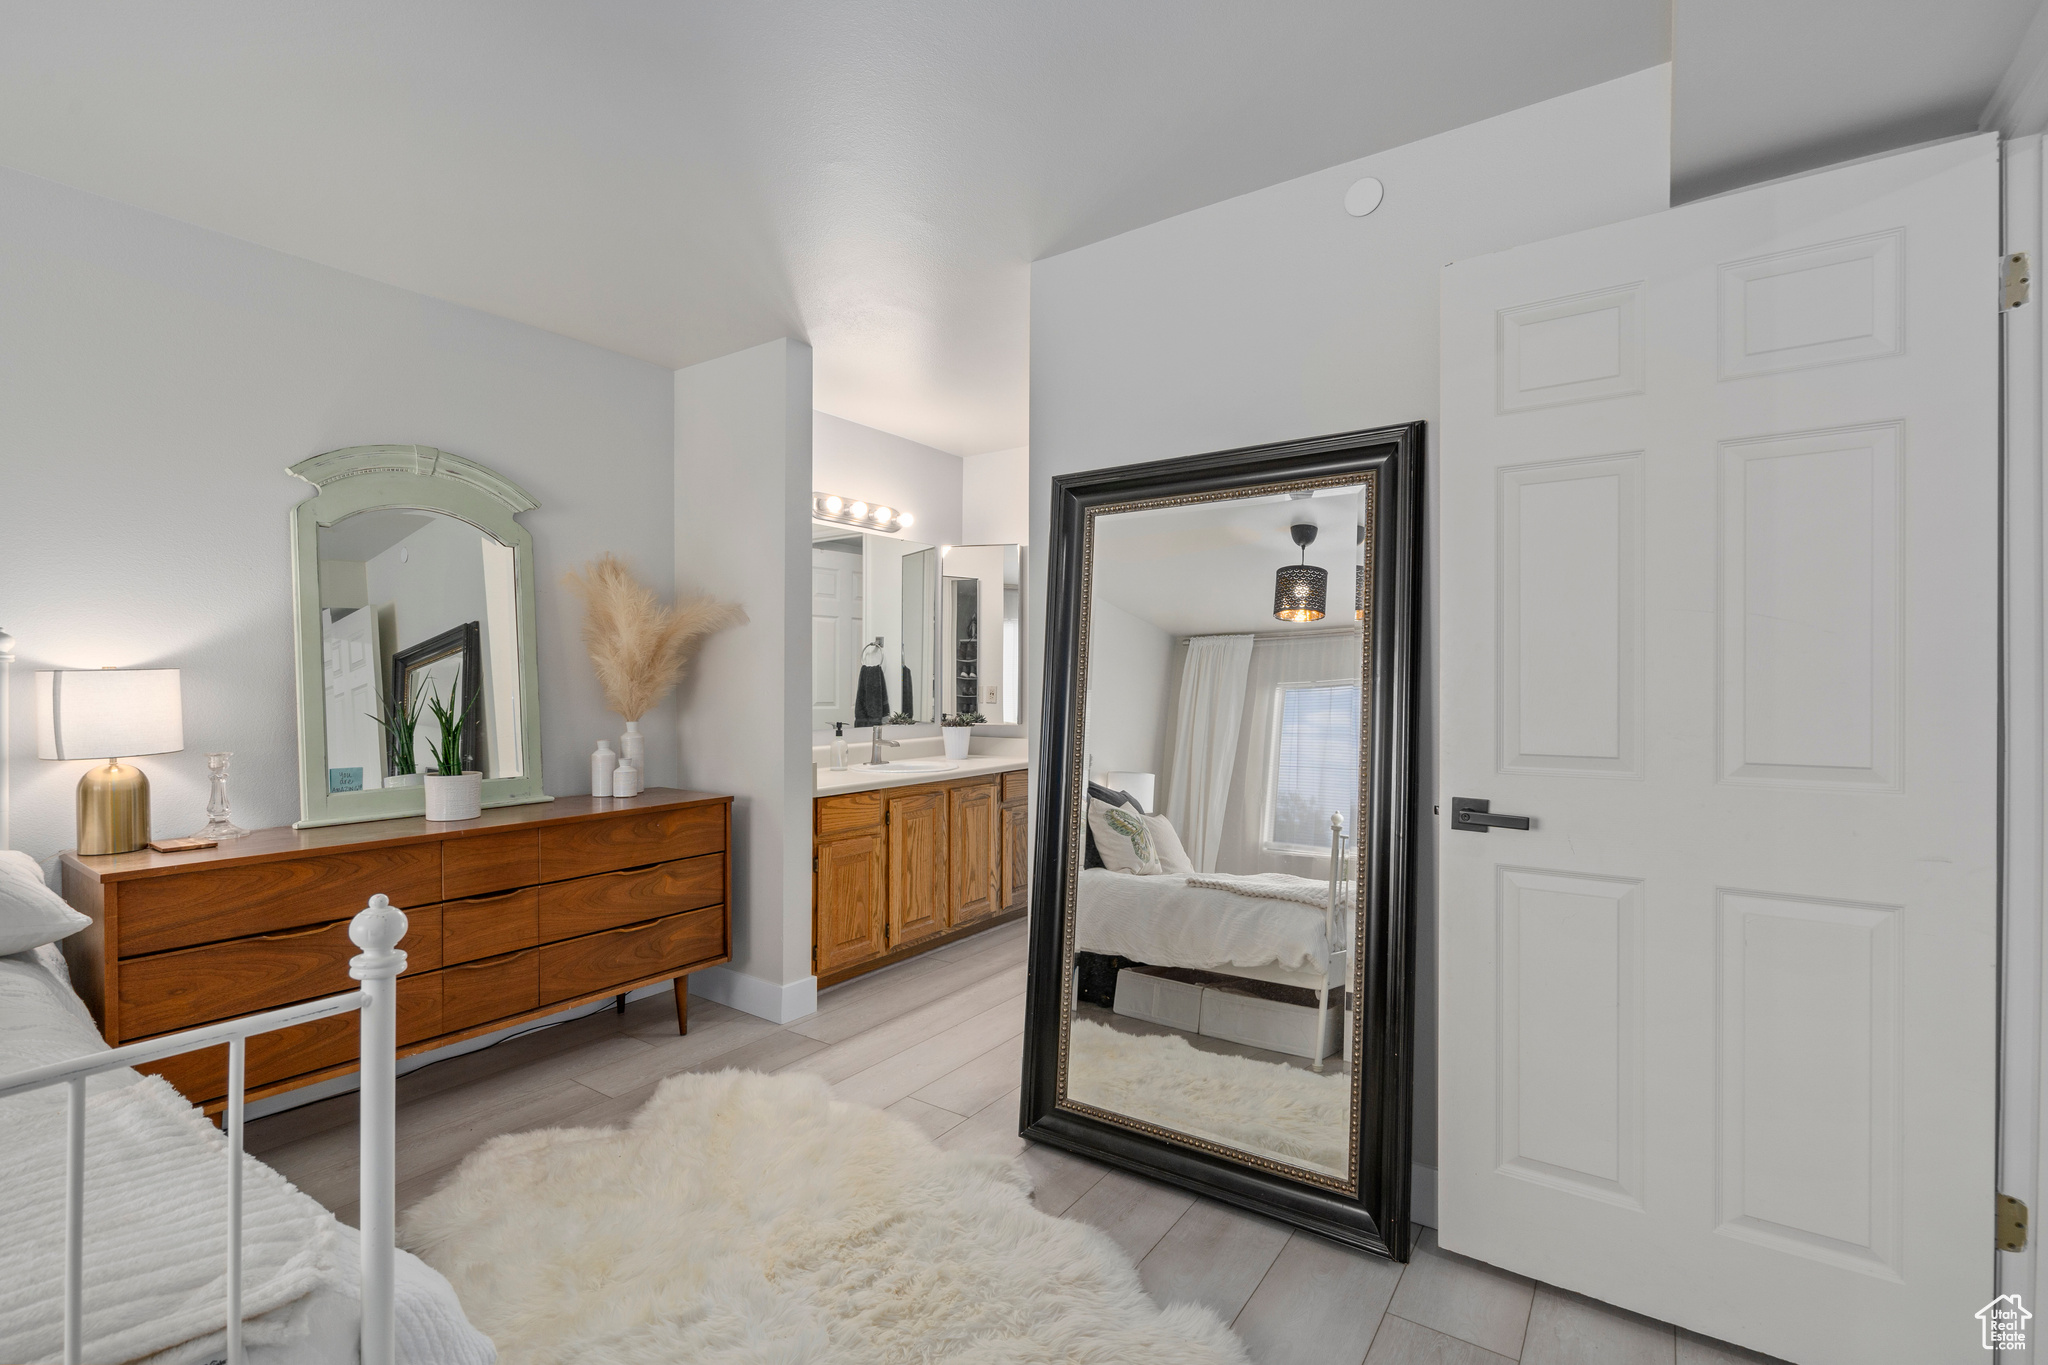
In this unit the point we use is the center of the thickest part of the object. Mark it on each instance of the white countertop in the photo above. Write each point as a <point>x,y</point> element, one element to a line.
<point>985,757</point>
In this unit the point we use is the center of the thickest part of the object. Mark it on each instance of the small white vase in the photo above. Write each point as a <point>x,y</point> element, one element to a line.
<point>455,798</point>
<point>603,764</point>
<point>957,739</point>
<point>633,754</point>
<point>405,779</point>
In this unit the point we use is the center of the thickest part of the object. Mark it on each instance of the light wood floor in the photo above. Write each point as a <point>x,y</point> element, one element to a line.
<point>939,1040</point>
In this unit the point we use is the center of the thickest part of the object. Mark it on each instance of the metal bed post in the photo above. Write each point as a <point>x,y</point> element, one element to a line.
<point>1331,951</point>
<point>377,931</point>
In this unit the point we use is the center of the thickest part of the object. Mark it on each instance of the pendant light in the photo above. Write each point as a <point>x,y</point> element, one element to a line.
<point>1299,589</point>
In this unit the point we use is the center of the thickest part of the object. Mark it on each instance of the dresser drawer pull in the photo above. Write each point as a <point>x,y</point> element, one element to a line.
<point>296,933</point>
<point>486,900</point>
<point>481,963</point>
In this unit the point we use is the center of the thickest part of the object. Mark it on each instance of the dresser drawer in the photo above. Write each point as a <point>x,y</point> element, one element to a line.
<point>598,962</point>
<point>484,863</point>
<point>489,925</point>
<point>184,908</point>
<point>202,1077</point>
<point>589,904</point>
<point>478,992</point>
<point>1015,786</point>
<point>223,980</point>
<point>582,847</point>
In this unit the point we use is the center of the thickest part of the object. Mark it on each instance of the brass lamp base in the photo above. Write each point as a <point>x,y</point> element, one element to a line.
<point>113,809</point>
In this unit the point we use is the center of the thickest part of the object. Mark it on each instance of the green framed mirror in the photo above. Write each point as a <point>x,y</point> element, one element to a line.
<point>411,580</point>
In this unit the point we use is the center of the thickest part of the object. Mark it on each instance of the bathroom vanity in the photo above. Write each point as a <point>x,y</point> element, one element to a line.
<point>904,861</point>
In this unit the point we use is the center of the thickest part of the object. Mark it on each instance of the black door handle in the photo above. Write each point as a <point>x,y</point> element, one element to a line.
<point>1472,813</point>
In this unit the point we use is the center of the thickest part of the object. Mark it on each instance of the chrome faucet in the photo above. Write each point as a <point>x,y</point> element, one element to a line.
<point>875,759</point>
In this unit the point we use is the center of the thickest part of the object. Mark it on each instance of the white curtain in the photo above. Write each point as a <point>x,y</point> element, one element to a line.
<point>1205,732</point>
<point>1275,663</point>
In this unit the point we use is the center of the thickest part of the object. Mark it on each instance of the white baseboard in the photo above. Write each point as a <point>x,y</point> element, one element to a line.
<point>752,995</point>
<point>1422,1196</point>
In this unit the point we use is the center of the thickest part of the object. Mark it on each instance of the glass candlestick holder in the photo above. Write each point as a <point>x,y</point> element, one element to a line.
<point>218,825</point>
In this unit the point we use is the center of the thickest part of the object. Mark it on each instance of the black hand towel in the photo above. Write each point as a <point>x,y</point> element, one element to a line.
<point>870,696</point>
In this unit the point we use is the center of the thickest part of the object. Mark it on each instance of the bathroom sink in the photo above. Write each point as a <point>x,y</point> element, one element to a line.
<point>911,765</point>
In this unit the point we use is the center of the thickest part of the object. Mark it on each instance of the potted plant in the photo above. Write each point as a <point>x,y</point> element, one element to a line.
<point>453,792</point>
<point>959,730</point>
<point>400,722</point>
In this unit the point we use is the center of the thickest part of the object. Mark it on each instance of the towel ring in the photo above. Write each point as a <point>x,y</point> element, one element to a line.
<point>876,646</point>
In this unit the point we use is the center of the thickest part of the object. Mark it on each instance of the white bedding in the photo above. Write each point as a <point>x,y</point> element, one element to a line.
<point>1163,921</point>
<point>146,1275</point>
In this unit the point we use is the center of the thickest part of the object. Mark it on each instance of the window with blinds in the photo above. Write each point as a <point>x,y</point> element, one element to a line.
<point>1315,765</point>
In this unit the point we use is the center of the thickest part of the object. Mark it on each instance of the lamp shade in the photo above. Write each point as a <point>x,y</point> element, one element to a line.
<point>104,713</point>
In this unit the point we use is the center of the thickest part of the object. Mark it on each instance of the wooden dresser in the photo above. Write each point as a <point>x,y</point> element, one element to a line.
<point>517,914</point>
<point>899,871</point>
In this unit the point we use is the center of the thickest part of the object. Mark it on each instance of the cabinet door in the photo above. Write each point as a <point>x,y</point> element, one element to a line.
<point>1016,857</point>
<point>918,883</point>
<point>848,910</point>
<point>977,852</point>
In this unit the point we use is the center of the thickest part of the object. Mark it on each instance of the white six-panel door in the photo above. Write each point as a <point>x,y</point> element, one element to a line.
<point>1718,575</point>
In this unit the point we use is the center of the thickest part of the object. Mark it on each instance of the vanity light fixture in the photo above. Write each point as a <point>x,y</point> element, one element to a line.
<point>1359,575</point>
<point>1299,590</point>
<point>858,512</point>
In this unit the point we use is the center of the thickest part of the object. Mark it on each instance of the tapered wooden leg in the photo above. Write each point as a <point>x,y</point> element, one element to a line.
<point>682,1004</point>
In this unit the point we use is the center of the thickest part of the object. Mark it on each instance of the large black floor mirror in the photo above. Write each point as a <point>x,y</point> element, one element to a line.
<point>1221,981</point>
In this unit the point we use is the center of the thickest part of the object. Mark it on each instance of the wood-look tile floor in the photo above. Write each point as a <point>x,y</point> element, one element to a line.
<point>939,1040</point>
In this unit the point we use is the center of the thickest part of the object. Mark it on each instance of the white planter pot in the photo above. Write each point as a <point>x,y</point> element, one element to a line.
<point>455,798</point>
<point>405,780</point>
<point>957,739</point>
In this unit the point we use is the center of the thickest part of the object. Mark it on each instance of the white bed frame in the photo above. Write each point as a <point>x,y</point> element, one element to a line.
<point>376,930</point>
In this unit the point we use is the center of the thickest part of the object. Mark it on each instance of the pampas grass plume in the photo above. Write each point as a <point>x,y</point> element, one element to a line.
<point>638,646</point>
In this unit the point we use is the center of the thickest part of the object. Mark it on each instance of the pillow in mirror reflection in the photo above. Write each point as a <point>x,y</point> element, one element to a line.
<point>1124,839</point>
<point>1173,858</point>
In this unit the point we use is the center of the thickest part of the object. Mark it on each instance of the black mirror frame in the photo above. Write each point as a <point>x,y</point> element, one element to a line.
<point>1376,1218</point>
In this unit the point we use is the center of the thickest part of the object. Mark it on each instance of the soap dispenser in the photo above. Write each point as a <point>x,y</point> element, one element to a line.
<point>838,746</point>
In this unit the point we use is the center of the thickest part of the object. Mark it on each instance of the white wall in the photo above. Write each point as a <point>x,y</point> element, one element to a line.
<point>743,534</point>
<point>1133,667</point>
<point>995,498</point>
<point>1277,315</point>
<point>155,381</point>
<point>879,468</point>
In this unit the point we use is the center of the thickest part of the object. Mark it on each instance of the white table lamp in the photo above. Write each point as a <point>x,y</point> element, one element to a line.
<point>111,714</point>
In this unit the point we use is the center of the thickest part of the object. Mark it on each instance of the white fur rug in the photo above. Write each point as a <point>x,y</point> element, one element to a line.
<point>1267,1108</point>
<point>743,1219</point>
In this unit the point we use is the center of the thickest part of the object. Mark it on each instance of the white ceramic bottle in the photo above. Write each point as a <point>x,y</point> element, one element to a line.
<point>603,764</point>
<point>633,754</point>
<point>626,780</point>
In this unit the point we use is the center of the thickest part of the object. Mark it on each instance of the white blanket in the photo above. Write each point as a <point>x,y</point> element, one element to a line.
<point>155,1242</point>
<point>1167,922</point>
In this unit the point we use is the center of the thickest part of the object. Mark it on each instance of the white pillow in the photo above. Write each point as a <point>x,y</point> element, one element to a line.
<point>1123,839</point>
<point>31,914</point>
<point>1172,857</point>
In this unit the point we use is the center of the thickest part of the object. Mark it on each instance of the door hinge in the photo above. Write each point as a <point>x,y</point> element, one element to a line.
<point>2016,280</point>
<point>2012,1224</point>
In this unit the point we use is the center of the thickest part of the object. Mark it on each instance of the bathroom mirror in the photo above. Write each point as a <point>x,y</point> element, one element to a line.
<point>904,629</point>
<point>412,583</point>
<point>1220,980</point>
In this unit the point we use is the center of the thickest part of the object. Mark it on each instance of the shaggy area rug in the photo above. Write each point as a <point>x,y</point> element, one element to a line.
<point>742,1218</point>
<point>1267,1108</point>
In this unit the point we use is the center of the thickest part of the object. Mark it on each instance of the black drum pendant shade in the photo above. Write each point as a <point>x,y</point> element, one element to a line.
<point>1300,590</point>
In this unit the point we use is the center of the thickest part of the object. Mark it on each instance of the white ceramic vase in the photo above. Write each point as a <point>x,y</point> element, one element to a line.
<point>633,754</point>
<point>957,739</point>
<point>455,798</point>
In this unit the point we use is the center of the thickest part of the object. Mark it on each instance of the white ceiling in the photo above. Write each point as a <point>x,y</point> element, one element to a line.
<point>1208,569</point>
<point>1763,88</point>
<point>680,180</point>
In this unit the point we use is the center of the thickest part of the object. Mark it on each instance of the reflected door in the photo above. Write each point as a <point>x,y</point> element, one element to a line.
<point>835,634</point>
<point>1718,612</point>
<point>348,652</point>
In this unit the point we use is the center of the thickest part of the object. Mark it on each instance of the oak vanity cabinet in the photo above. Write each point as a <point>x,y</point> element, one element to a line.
<point>899,871</point>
